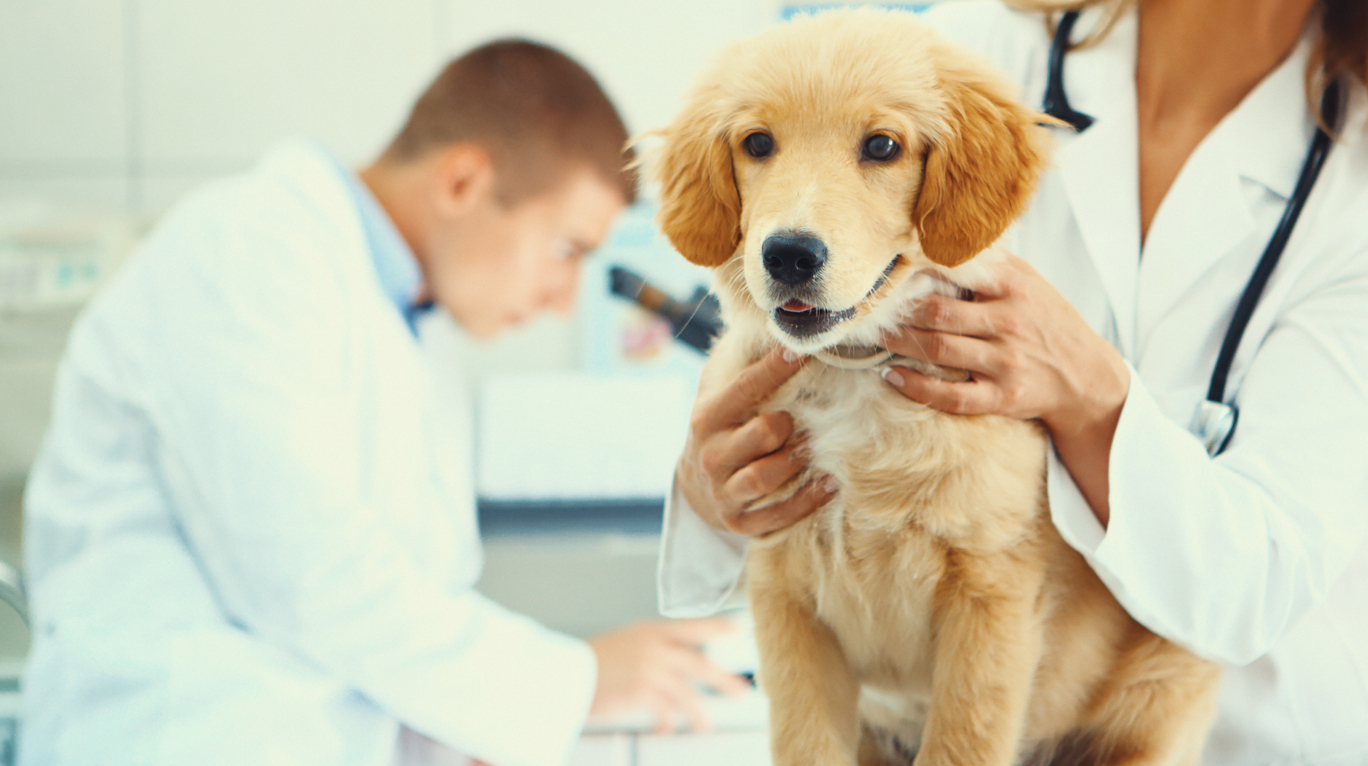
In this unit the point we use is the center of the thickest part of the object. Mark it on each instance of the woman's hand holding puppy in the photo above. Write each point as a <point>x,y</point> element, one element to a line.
<point>1031,356</point>
<point>734,454</point>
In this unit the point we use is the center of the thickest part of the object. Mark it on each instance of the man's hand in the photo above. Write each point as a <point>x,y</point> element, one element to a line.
<point>656,666</point>
<point>734,455</point>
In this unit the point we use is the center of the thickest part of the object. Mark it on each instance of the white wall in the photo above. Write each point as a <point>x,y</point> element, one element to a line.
<point>646,53</point>
<point>129,103</point>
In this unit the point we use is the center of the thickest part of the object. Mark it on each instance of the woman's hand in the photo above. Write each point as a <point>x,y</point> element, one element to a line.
<point>734,455</point>
<point>1030,355</point>
<point>658,666</point>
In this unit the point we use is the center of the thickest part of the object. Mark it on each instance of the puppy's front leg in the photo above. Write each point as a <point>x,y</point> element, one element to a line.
<point>988,643</point>
<point>813,696</point>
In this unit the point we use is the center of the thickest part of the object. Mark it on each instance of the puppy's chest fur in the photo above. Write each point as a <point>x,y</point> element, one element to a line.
<point>918,488</point>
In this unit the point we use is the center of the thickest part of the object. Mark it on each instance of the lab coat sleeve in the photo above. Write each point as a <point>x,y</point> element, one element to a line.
<point>258,411</point>
<point>1223,555</point>
<point>700,567</point>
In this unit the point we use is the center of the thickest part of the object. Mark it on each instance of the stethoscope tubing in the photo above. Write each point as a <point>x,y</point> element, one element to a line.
<point>1315,160</point>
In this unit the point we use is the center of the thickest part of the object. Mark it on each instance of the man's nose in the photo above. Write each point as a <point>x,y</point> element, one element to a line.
<point>793,258</point>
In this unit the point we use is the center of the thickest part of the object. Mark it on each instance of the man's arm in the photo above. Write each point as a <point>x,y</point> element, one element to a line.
<point>258,396</point>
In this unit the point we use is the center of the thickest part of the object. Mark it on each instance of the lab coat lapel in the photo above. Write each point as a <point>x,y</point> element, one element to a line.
<point>1202,217</point>
<point>1208,213</point>
<point>1099,167</point>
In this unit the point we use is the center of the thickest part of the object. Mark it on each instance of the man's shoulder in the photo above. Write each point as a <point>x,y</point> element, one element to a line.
<point>296,193</point>
<point>287,221</point>
<point>280,242</point>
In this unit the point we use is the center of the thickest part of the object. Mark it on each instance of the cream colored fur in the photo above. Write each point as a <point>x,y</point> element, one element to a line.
<point>930,607</point>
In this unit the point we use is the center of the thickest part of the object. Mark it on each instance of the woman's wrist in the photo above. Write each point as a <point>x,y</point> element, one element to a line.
<point>1097,397</point>
<point>1083,433</point>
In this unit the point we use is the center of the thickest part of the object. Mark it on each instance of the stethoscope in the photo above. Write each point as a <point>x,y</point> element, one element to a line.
<point>1216,419</point>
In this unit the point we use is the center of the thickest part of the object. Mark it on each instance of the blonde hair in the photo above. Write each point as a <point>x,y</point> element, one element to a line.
<point>1340,51</point>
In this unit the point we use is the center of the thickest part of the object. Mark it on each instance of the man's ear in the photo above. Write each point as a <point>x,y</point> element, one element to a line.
<point>464,175</point>
<point>700,209</point>
<point>980,176</point>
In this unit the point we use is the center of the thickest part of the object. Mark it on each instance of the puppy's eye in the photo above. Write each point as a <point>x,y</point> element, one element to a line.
<point>758,145</point>
<point>880,148</point>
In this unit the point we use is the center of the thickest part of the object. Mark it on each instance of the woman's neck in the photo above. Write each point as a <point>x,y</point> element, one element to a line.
<point>1196,60</point>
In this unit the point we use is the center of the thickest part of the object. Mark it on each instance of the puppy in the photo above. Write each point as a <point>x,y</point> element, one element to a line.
<point>831,171</point>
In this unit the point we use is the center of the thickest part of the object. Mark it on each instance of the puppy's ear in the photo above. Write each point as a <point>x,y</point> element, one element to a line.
<point>980,175</point>
<point>700,210</point>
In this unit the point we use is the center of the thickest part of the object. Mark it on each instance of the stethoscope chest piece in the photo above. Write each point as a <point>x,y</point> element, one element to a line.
<point>1215,424</point>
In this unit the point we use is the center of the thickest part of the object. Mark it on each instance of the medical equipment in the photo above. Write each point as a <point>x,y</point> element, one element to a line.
<point>695,322</point>
<point>1217,418</point>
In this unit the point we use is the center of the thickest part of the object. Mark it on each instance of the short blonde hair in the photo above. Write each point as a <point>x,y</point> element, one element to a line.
<point>1340,52</point>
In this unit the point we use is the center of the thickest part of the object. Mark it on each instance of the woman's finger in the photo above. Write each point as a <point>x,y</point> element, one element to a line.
<point>944,349</point>
<point>766,474</point>
<point>735,403</point>
<point>772,518</point>
<point>951,315</point>
<point>757,437</point>
<point>971,398</point>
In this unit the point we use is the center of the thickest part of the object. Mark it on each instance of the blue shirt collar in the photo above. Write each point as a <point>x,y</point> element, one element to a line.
<point>396,266</point>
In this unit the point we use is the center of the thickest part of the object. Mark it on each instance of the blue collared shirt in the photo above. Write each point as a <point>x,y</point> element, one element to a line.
<point>395,264</point>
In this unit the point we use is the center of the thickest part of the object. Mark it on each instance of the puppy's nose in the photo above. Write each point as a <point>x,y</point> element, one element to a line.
<point>793,258</point>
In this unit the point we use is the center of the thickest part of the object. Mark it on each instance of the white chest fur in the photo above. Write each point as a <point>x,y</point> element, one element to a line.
<point>914,483</point>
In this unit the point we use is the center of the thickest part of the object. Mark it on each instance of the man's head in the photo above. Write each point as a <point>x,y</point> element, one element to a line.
<point>510,168</point>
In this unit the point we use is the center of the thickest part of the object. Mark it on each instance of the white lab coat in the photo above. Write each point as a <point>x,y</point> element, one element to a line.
<point>250,532</point>
<point>1256,558</point>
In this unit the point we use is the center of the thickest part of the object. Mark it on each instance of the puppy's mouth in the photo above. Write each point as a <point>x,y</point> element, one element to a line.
<point>803,320</point>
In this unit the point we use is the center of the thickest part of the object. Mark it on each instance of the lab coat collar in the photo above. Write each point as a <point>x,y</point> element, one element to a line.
<point>1100,167</point>
<point>1206,212</point>
<point>396,266</point>
<point>1270,131</point>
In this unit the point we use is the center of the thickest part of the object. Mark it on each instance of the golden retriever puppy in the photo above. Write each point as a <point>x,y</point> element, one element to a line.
<point>832,170</point>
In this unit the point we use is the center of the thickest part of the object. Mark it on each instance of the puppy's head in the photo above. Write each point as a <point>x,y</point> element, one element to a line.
<point>820,165</point>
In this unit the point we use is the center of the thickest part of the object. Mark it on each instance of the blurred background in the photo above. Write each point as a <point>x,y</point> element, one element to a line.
<point>110,110</point>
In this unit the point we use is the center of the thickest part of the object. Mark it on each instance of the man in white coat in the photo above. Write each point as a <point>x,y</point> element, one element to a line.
<point>250,535</point>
